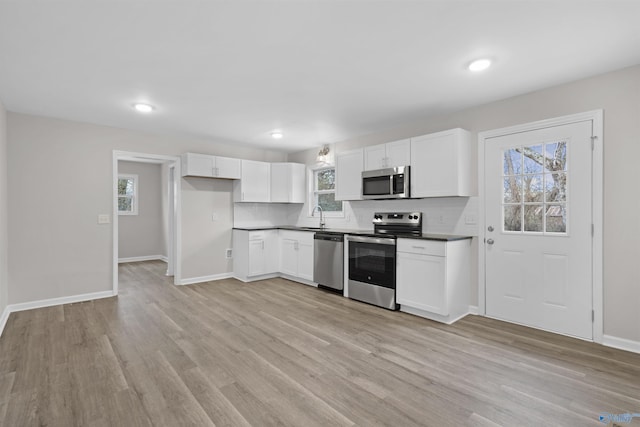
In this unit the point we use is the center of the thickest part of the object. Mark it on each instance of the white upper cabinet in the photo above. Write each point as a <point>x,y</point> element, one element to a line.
<point>226,167</point>
<point>375,157</point>
<point>288,182</point>
<point>205,165</point>
<point>197,165</point>
<point>389,155</point>
<point>255,182</point>
<point>441,164</point>
<point>349,167</point>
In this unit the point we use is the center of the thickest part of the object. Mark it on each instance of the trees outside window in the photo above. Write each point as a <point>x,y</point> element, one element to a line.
<point>324,192</point>
<point>535,188</point>
<point>127,194</point>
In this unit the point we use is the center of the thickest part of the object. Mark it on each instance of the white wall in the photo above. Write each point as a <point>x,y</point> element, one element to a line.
<point>143,235</point>
<point>4,285</point>
<point>618,93</point>
<point>60,174</point>
<point>206,226</point>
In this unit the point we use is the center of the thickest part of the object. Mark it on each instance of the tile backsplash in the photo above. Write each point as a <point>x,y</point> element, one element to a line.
<point>449,215</point>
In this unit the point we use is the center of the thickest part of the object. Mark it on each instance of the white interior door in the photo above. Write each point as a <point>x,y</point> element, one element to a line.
<point>538,251</point>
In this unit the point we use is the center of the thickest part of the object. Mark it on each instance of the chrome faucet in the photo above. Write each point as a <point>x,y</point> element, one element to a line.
<point>319,209</point>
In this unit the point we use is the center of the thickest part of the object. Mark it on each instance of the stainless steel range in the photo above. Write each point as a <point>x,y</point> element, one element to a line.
<point>372,258</point>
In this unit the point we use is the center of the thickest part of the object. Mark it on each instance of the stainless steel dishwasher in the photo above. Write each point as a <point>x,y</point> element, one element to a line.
<point>328,263</point>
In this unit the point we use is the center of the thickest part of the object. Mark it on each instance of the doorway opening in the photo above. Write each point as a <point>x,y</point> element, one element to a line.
<point>125,198</point>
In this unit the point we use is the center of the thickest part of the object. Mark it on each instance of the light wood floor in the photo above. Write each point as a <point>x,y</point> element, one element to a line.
<point>281,353</point>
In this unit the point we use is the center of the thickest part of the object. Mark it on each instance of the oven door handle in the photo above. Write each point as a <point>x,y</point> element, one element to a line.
<point>374,240</point>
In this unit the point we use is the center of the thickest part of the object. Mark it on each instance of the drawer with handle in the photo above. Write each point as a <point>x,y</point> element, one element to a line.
<point>421,246</point>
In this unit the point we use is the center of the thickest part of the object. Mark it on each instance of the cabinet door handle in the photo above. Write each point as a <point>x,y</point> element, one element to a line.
<point>418,247</point>
<point>263,245</point>
<point>295,246</point>
<point>242,196</point>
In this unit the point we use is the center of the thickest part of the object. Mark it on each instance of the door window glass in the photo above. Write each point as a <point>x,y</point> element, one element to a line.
<point>534,189</point>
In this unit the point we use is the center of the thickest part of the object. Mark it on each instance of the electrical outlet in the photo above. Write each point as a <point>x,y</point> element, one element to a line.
<point>441,218</point>
<point>104,219</point>
<point>229,253</point>
<point>470,219</point>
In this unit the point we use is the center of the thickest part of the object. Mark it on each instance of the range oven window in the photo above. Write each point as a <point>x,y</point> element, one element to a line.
<point>373,263</point>
<point>375,186</point>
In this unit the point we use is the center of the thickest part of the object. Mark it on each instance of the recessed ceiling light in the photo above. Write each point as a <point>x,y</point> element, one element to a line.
<point>276,135</point>
<point>480,64</point>
<point>143,108</point>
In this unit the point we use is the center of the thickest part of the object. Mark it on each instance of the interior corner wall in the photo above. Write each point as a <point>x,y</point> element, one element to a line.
<point>142,235</point>
<point>60,176</point>
<point>4,265</point>
<point>207,226</point>
<point>618,94</point>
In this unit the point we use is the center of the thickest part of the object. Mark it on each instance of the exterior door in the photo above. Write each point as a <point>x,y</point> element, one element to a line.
<point>538,249</point>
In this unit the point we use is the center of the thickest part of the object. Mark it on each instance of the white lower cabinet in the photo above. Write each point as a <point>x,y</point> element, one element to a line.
<point>268,253</point>
<point>296,254</point>
<point>255,254</point>
<point>433,278</point>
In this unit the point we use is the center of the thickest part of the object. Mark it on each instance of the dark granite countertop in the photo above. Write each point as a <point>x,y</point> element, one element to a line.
<point>424,236</point>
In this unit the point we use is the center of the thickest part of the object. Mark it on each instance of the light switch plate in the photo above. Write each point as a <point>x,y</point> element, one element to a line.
<point>104,219</point>
<point>470,219</point>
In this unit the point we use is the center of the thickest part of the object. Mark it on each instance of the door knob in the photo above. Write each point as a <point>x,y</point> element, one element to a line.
<point>490,228</point>
<point>490,241</point>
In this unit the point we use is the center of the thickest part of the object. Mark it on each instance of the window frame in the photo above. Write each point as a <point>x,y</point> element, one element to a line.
<point>134,198</point>
<point>313,194</point>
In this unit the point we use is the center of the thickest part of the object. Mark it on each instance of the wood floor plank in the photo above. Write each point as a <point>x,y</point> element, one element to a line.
<point>278,353</point>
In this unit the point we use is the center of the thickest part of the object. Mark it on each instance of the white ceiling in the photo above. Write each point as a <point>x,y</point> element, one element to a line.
<point>321,71</point>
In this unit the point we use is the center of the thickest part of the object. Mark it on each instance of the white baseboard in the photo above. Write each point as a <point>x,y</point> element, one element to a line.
<point>192,280</point>
<point>299,280</point>
<point>473,309</point>
<point>11,308</point>
<point>254,278</point>
<point>59,301</point>
<point>432,316</point>
<point>143,258</point>
<point>4,318</point>
<point>621,343</point>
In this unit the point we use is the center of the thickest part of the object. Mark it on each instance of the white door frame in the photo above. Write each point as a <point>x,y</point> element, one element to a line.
<point>173,162</point>
<point>171,235</point>
<point>597,206</point>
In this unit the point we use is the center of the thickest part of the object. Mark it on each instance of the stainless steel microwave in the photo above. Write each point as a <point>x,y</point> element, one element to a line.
<point>390,183</point>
